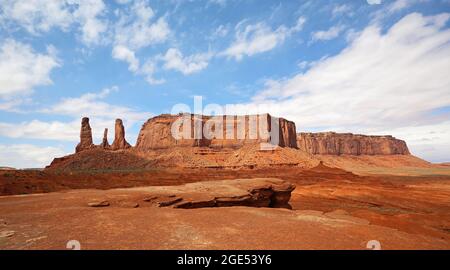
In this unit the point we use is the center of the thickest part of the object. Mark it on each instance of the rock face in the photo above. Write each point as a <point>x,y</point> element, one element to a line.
<point>119,137</point>
<point>85,136</point>
<point>105,143</point>
<point>331,143</point>
<point>227,131</point>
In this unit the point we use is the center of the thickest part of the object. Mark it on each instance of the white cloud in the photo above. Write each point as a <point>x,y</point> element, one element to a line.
<point>123,53</point>
<point>174,59</point>
<point>36,129</point>
<point>136,28</point>
<point>220,31</point>
<point>88,15</point>
<point>148,69</point>
<point>22,69</point>
<point>41,16</point>
<point>258,38</point>
<point>221,3</point>
<point>374,2</point>
<point>11,104</point>
<point>341,9</point>
<point>393,7</point>
<point>332,33</point>
<point>298,25</point>
<point>28,156</point>
<point>380,82</point>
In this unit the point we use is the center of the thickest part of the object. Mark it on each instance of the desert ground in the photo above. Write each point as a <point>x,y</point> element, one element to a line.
<point>405,208</point>
<point>309,191</point>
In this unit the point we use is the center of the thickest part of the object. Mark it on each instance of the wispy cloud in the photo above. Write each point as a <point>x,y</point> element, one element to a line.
<point>125,54</point>
<point>174,59</point>
<point>331,33</point>
<point>257,38</point>
<point>22,69</point>
<point>344,9</point>
<point>28,155</point>
<point>135,29</point>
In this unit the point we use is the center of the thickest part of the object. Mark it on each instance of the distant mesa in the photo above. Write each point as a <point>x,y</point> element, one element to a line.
<point>332,143</point>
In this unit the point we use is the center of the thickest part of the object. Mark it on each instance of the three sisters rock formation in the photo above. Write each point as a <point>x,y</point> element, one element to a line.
<point>86,142</point>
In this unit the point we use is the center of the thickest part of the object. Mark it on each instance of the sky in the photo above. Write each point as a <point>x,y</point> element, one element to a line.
<point>363,66</point>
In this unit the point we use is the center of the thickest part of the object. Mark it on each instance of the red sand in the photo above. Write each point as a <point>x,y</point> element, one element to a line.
<point>332,209</point>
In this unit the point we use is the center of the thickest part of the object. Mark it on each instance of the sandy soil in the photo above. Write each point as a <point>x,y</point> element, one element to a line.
<point>332,209</point>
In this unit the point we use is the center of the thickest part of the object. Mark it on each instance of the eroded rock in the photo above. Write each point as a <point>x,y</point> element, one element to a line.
<point>98,204</point>
<point>119,137</point>
<point>6,234</point>
<point>129,204</point>
<point>259,192</point>
<point>85,136</point>
<point>105,143</point>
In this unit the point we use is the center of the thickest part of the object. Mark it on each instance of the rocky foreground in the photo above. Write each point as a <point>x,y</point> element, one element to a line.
<point>331,209</point>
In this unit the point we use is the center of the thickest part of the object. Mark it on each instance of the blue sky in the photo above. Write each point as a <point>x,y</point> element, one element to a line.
<point>374,67</point>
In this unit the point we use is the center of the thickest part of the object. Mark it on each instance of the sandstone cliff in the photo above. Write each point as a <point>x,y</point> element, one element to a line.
<point>331,143</point>
<point>222,131</point>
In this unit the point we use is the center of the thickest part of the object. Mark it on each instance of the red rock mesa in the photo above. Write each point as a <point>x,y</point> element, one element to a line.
<point>331,143</point>
<point>226,131</point>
